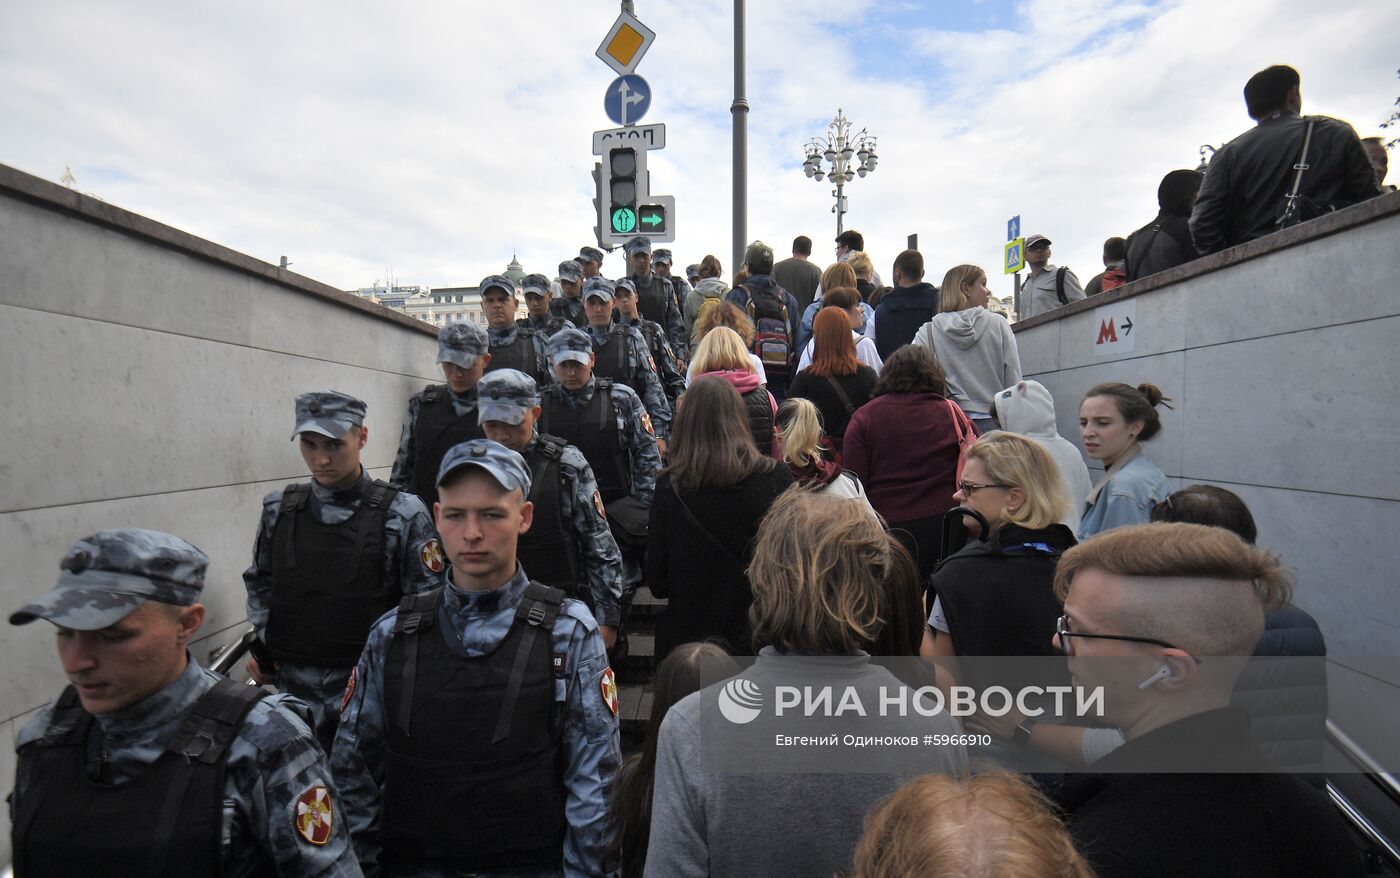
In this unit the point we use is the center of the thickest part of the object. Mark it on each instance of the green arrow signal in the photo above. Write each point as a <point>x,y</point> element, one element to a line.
<point>652,219</point>
<point>624,219</point>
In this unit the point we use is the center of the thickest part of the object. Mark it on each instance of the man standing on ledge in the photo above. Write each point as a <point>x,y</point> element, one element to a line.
<point>481,736</point>
<point>442,415</point>
<point>149,764</point>
<point>1048,287</point>
<point>331,556</point>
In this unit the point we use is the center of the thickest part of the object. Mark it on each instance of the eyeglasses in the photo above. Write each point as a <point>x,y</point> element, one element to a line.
<point>968,487</point>
<point>1062,631</point>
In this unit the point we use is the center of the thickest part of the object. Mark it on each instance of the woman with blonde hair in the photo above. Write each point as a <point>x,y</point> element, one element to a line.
<point>992,825</point>
<point>974,346</point>
<point>721,353</point>
<point>864,268</point>
<point>837,276</point>
<point>809,455</point>
<point>820,598</point>
<point>726,314</point>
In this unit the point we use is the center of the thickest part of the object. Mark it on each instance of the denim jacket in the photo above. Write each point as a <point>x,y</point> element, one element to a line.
<point>1125,495</point>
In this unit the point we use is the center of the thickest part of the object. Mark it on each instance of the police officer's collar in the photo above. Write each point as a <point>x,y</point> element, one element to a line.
<point>341,496</point>
<point>643,279</point>
<point>583,394</point>
<point>534,440</point>
<point>468,398</point>
<point>484,604</point>
<point>502,334</point>
<point>145,716</point>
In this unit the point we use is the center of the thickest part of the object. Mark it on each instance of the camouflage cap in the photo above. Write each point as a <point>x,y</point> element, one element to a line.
<point>504,465</point>
<point>497,281</point>
<point>535,283</point>
<point>624,283</point>
<point>590,254</point>
<point>461,343</point>
<point>569,269</point>
<point>505,395</point>
<point>109,574</point>
<point>639,244</point>
<point>328,412</point>
<point>692,271</point>
<point>599,287</point>
<point>570,343</point>
<point>661,254</point>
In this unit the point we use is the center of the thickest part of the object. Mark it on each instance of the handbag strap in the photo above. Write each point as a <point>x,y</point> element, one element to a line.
<point>695,523</point>
<point>841,395</point>
<point>1291,207</point>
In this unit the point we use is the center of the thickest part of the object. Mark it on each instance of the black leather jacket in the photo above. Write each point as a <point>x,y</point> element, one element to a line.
<point>1247,179</point>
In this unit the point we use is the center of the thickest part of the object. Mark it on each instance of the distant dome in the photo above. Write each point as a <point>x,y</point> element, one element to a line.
<point>514,271</point>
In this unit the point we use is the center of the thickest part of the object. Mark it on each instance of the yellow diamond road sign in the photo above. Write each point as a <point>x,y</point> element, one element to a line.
<point>626,43</point>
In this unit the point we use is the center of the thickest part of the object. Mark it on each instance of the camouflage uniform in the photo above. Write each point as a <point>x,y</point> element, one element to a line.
<point>405,461</point>
<point>656,297</point>
<point>473,624</point>
<point>667,370</point>
<point>505,396</point>
<point>544,327</point>
<point>411,551</point>
<point>280,812</point>
<point>638,370</point>
<point>539,366</point>
<point>563,307</point>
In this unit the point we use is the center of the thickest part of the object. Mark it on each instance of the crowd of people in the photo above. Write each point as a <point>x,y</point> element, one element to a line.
<point>805,465</point>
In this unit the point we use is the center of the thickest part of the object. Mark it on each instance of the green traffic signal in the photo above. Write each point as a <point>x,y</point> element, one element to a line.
<point>624,220</point>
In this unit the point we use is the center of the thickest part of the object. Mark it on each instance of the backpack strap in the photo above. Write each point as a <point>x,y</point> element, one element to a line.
<point>417,612</point>
<point>294,499</point>
<point>551,447</point>
<point>538,609</point>
<point>1060,284</point>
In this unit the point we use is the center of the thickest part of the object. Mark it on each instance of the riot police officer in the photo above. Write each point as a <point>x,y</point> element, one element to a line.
<point>626,314</point>
<point>442,415</point>
<point>511,347</point>
<point>655,297</point>
<point>622,354</point>
<point>331,556</point>
<point>568,545</point>
<point>569,305</point>
<point>591,260</point>
<point>661,260</point>
<point>480,731</point>
<point>539,299</point>
<point>148,764</point>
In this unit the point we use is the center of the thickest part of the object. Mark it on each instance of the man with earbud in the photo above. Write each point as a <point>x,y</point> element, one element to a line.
<point>1162,617</point>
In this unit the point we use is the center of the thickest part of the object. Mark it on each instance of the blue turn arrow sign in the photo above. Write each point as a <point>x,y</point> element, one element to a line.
<point>627,100</point>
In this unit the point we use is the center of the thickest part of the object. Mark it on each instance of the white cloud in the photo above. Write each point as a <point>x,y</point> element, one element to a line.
<point>436,138</point>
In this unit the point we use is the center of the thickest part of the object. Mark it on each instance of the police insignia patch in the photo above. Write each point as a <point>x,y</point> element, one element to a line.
<point>349,689</point>
<point>314,814</point>
<point>432,556</point>
<point>609,687</point>
<point>646,422</point>
<point>598,505</point>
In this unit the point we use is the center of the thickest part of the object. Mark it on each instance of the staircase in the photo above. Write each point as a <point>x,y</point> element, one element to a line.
<point>635,677</point>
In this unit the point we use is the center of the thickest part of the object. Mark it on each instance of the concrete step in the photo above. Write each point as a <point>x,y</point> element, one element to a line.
<point>645,605</point>
<point>641,655</point>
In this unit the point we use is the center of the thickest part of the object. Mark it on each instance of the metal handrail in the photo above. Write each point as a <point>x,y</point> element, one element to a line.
<point>1363,760</point>
<point>1364,826</point>
<point>226,658</point>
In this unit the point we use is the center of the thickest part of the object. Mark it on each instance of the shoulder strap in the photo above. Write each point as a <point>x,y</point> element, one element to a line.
<point>432,392</point>
<point>294,499</point>
<point>68,724</point>
<point>377,500</point>
<point>1060,284</point>
<point>1291,207</point>
<point>704,531</point>
<point>538,609</point>
<point>841,395</point>
<point>417,612</point>
<point>551,446</point>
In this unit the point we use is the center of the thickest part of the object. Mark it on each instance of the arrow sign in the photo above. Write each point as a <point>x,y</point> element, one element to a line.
<point>1127,325</point>
<point>627,100</point>
<point>651,217</point>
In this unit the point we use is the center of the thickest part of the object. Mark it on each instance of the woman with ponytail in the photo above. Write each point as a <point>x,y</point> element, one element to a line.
<point>1114,419</point>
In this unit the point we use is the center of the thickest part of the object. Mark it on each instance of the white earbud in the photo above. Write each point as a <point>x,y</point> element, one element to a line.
<point>1160,674</point>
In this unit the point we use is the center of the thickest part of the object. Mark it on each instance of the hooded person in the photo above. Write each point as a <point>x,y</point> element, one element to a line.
<point>1029,409</point>
<point>1166,241</point>
<point>974,346</point>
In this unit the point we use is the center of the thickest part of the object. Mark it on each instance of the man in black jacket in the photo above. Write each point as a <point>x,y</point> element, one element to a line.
<point>911,304</point>
<point>1166,241</point>
<point>1161,616</point>
<point>1248,179</point>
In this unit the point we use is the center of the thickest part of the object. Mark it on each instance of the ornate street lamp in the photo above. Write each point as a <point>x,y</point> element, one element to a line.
<point>838,150</point>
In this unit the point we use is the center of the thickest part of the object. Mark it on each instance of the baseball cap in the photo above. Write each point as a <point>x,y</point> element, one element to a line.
<point>498,280</point>
<point>569,269</point>
<point>590,254</point>
<point>624,283</point>
<point>661,254</point>
<point>461,343</point>
<point>1032,240</point>
<point>535,283</point>
<point>569,343</point>
<point>328,412</point>
<point>109,574</point>
<point>503,465</point>
<point>505,395</point>
<point>639,244</point>
<point>600,287</point>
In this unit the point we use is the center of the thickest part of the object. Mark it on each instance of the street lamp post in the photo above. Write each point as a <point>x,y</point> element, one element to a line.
<point>838,149</point>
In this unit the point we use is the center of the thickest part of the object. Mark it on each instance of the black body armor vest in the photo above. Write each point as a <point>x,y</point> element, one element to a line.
<point>328,579</point>
<point>549,551</point>
<point>611,358</point>
<point>474,763</point>
<point>167,821</point>
<point>437,430</point>
<point>592,429</point>
<point>651,300</point>
<point>518,355</point>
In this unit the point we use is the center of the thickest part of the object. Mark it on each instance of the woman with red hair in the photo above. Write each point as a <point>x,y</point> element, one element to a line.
<point>837,382</point>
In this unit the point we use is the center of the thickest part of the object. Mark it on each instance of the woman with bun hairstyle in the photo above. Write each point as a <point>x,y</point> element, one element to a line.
<point>1114,420</point>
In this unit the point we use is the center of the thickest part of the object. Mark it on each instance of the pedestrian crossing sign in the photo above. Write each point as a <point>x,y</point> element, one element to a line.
<point>1014,256</point>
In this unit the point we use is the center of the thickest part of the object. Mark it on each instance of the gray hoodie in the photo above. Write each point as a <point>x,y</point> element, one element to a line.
<point>977,352</point>
<point>709,288</point>
<point>1029,409</point>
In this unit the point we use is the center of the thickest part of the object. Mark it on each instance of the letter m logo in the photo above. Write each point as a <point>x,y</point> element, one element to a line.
<point>1106,332</point>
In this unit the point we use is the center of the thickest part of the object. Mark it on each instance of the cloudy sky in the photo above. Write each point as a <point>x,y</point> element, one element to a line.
<point>433,139</point>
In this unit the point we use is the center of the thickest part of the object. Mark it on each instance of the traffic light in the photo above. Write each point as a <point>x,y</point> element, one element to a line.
<point>623,178</point>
